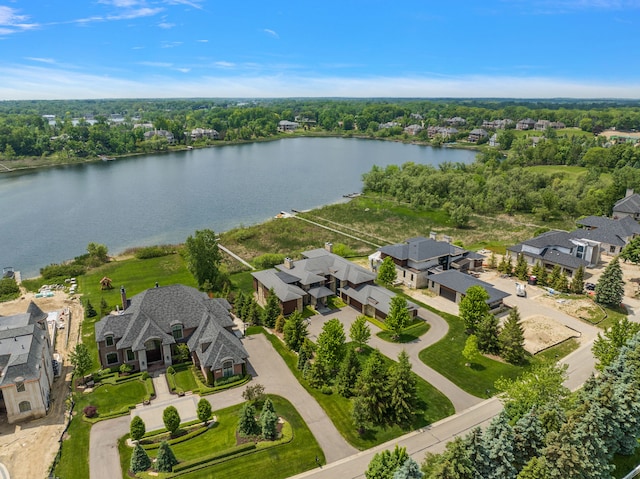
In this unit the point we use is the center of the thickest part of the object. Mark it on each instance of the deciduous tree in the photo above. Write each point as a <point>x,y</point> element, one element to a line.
<point>470,351</point>
<point>80,359</point>
<point>203,258</point>
<point>330,345</point>
<point>387,271</point>
<point>360,332</point>
<point>137,428</point>
<point>606,348</point>
<point>204,411</point>
<point>385,463</point>
<point>473,307</point>
<point>295,331</point>
<point>631,252</point>
<point>398,317</point>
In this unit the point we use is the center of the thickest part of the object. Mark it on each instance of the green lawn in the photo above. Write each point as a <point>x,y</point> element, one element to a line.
<point>109,399</point>
<point>408,334</point>
<point>446,357</point>
<point>277,462</point>
<point>625,464</point>
<point>185,379</point>
<point>432,404</point>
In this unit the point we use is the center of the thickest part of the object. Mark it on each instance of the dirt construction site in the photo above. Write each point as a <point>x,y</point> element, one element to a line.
<point>28,449</point>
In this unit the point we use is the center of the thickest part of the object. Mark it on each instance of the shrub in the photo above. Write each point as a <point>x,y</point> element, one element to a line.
<point>268,260</point>
<point>154,251</point>
<point>204,410</point>
<point>326,390</point>
<point>228,380</point>
<point>171,370</point>
<point>62,270</point>
<point>125,368</point>
<point>171,419</point>
<point>137,428</point>
<point>145,375</point>
<point>253,393</point>
<point>90,411</point>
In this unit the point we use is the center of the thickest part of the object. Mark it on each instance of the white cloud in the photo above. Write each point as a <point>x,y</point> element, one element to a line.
<point>202,41</point>
<point>156,64</point>
<point>193,4</point>
<point>41,60</point>
<point>223,64</point>
<point>271,32</point>
<point>167,44</point>
<point>51,82</point>
<point>12,22</point>
<point>166,25</point>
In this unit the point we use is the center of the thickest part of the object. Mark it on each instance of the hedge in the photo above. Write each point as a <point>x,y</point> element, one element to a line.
<point>207,460</point>
<point>177,440</point>
<point>157,432</point>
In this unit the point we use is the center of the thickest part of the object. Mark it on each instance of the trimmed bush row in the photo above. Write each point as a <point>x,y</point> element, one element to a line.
<point>208,460</point>
<point>177,440</point>
<point>157,432</point>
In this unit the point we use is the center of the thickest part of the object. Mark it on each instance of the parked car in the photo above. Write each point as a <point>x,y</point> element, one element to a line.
<point>520,290</point>
<point>589,286</point>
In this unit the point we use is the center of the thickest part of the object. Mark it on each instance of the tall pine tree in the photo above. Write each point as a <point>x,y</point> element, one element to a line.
<point>402,387</point>
<point>610,286</point>
<point>512,339</point>
<point>372,388</point>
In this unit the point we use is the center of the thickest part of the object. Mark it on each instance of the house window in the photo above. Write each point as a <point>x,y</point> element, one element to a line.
<point>227,368</point>
<point>108,340</point>
<point>176,330</point>
<point>612,249</point>
<point>20,386</point>
<point>112,358</point>
<point>24,406</point>
<point>131,356</point>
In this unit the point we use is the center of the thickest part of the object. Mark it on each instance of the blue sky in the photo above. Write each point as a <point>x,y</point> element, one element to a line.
<point>350,48</point>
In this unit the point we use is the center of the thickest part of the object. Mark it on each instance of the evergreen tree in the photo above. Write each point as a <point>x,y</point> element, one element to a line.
<point>253,312</point>
<point>454,463</point>
<point>360,332</point>
<point>139,460</point>
<point>543,278</point>
<point>90,312</point>
<point>238,305</point>
<point>360,414</point>
<point>522,268</point>
<point>402,387</point>
<point>555,276</point>
<point>166,459</point>
<point>271,310</point>
<point>508,267</point>
<point>538,270</point>
<point>387,273</point>
<point>528,439</point>
<point>247,425</point>
<point>502,266</point>
<point>473,307</point>
<point>348,374</point>
<point>577,282</point>
<point>477,453</point>
<point>562,284</point>
<point>269,421</point>
<point>385,463</point>
<point>487,332</point>
<point>171,419</point>
<point>372,387</point>
<point>104,308</point>
<point>318,375</point>
<point>409,470</point>
<point>137,428</point>
<point>610,286</point>
<point>493,262</point>
<point>398,317</point>
<point>512,339</point>
<point>204,411</point>
<point>330,345</point>
<point>295,331</point>
<point>498,447</point>
<point>536,468</point>
<point>280,323</point>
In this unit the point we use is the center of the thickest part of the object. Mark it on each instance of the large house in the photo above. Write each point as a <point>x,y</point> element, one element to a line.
<point>453,285</point>
<point>628,206</point>
<point>152,324</point>
<point>26,369</point>
<point>318,276</point>
<point>567,250</point>
<point>418,258</point>
<point>613,234</point>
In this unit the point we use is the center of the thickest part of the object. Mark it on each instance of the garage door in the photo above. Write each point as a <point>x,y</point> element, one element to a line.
<point>448,293</point>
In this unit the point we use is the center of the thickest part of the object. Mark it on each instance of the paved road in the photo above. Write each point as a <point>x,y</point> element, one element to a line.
<point>268,369</point>
<point>460,399</point>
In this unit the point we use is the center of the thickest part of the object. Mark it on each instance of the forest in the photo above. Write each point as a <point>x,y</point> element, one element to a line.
<point>64,129</point>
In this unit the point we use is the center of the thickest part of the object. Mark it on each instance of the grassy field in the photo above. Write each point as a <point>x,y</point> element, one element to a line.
<point>109,398</point>
<point>135,275</point>
<point>277,462</point>
<point>432,404</point>
<point>410,333</point>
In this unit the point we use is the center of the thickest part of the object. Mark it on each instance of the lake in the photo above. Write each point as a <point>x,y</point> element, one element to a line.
<point>50,215</point>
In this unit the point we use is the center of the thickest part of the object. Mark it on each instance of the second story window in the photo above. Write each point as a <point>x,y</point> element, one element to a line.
<point>176,330</point>
<point>108,340</point>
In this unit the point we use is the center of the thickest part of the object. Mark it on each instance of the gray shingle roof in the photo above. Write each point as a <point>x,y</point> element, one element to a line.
<point>607,230</point>
<point>420,249</point>
<point>629,204</point>
<point>461,282</point>
<point>23,338</point>
<point>374,295</point>
<point>280,282</point>
<point>153,312</point>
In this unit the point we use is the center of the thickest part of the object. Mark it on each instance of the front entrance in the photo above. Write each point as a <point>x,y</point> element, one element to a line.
<point>154,350</point>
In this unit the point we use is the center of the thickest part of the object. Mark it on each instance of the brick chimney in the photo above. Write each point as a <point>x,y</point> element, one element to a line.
<point>123,296</point>
<point>329,247</point>
<point>629,192</point>
<point>288,263</point>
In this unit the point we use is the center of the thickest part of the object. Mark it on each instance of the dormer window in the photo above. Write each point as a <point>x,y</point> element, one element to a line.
<point>20,386</point>
<point>108,340</point>
<point>176,331</point>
